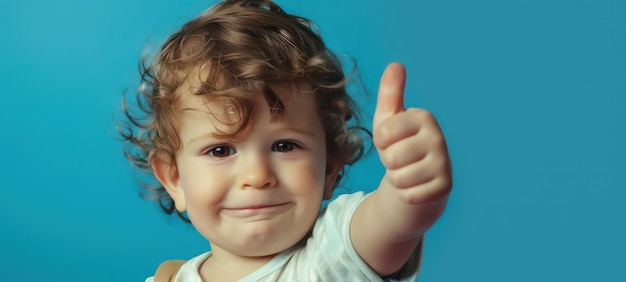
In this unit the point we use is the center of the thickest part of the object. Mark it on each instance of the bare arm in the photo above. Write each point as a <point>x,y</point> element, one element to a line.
<point>412,195</point>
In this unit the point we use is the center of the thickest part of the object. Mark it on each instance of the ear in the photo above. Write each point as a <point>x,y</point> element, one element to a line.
<point>333,168</point>
<point>167,174</point>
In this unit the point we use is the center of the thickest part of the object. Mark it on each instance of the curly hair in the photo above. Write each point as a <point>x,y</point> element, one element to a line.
<point>240,46</point>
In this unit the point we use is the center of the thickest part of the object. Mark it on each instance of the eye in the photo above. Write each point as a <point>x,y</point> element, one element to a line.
<point>285,146</point>
<point>221,151</point>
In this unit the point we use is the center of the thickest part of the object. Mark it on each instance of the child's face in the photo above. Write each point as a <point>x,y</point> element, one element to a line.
<point>260,194</point>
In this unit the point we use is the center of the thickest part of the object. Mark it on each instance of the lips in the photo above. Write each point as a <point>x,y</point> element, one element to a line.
<point>259,209</point>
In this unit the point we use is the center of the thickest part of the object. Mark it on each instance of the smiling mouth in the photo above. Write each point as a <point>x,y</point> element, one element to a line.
<point>266,210</point>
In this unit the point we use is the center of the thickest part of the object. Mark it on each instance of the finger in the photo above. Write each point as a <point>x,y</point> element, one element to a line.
<point>405,152</point>
<point>390,93</point>
<point>426,170</point>
<point>428,192</point>
<point>397,127</point>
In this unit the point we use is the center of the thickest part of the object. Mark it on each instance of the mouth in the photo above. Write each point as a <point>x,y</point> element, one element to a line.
<point>253,210</point>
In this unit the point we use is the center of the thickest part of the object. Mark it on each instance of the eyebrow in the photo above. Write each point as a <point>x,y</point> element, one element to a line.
<point>203,136</point>
<point>191,109</point>
<point>308,133</point>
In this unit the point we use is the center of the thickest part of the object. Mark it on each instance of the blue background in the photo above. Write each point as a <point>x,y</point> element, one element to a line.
<point>531,95</point>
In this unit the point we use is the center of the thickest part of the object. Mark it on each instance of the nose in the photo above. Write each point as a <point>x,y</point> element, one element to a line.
<point>257,172</point>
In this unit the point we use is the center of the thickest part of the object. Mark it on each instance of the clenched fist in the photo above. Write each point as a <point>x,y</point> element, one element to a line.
<point>410,144</point>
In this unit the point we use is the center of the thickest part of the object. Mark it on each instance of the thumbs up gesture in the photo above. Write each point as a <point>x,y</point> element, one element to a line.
<point>410,144</point>
<point>389,224</point>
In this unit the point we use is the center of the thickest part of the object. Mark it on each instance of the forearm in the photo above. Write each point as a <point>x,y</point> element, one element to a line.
<point>386,228</point>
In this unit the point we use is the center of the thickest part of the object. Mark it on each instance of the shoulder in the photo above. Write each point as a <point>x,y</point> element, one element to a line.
<point>189,270</point>
<point>338,213</point>
<point>182,270</point>
<point>331,251</point>
<point>344,204</point>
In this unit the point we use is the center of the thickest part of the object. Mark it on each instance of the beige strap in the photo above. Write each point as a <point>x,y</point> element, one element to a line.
<point>167,270</point>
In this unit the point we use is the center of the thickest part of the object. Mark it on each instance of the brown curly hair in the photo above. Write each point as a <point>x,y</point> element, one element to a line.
<point>240,46</point>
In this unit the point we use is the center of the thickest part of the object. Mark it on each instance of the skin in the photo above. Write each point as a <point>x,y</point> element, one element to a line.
<point>256,195</point>
<point>418,179</point>
<point>226,185</point>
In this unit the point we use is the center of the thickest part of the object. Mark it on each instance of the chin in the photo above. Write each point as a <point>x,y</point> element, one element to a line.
<point>264,248</point>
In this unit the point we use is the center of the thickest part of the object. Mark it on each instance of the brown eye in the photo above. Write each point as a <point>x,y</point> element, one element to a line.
<point>221,151</point>
<point>284,146</point>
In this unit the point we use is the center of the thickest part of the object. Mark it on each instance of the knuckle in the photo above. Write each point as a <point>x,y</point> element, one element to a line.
<point>443,183</point>
<point>396,179</point>
<point>426,115</point>
<point>386,160</point>
<point>393,160</point>
<point>407,197</point>
<point>436,141</point>
<point>421,113</point>
<point>381,136</point>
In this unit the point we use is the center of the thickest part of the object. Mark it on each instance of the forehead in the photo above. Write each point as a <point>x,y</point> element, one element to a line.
<point>299,109</point>
<point>211,85</point>
<point>296,97</point>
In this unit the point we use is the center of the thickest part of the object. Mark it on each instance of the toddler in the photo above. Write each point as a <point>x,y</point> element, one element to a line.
<point>247,126</point>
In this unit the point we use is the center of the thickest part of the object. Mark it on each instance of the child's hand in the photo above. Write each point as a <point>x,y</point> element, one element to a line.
<point>389,224</point>
<point>410,144</point>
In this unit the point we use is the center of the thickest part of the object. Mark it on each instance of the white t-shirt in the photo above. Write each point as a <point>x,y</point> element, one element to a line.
<point>328,254</point>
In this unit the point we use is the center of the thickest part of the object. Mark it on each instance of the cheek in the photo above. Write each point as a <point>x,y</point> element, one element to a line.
<point>307,176</point>
<point>203,186</point>
<point>204,194</point>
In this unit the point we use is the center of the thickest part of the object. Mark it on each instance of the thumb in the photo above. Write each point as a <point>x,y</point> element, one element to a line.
<point>390,93</point>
